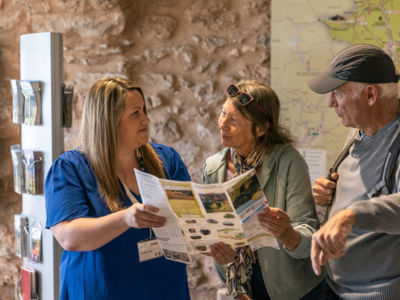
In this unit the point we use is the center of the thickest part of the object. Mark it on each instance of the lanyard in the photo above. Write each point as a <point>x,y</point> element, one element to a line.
<point>129,193</point>
<point>132,198</point>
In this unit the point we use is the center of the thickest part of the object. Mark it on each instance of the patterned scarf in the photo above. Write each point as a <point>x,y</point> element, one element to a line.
<point>252,161</point>
<point>240,270</point>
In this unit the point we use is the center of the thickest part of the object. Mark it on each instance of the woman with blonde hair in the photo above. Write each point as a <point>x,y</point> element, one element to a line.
<point>254,139</point>
<point>94,207</point>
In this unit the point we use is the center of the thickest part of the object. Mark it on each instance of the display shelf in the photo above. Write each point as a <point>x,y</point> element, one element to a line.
<point>41,59</point>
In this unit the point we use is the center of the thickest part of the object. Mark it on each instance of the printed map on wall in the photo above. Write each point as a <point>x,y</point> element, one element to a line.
<point>305,36</point>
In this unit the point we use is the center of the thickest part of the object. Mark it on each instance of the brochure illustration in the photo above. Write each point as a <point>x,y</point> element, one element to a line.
<point>199,215</point>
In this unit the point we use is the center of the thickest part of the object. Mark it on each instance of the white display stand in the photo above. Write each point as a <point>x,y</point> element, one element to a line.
<point>42,60</point>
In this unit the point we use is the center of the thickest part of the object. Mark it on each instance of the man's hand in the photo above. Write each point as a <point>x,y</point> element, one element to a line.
<point>330,240</point>
<point>323,189</point>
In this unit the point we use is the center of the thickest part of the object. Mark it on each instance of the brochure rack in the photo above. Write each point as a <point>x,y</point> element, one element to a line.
<point>41,59</point>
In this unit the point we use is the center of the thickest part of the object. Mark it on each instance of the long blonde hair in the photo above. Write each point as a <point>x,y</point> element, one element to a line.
<point>98,136</point>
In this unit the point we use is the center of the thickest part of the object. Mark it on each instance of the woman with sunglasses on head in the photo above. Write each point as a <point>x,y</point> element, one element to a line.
<point>94,208</point>
<point>250,130</point>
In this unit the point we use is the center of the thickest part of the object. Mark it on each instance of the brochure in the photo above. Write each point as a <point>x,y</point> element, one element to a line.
<point>33,102</point>
<point>199,215</point>
<point>17,155</point>
<point>21,235</point>
<point>28,283</point>
<point>33,172</point>
<point>18,101</point>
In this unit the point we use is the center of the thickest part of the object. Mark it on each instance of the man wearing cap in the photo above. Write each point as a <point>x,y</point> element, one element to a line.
<point>360,242</point>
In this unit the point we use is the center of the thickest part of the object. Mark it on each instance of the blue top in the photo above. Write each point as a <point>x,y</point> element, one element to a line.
<point>112,271</point>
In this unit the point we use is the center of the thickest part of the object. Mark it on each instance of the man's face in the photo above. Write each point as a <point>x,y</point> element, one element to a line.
<point>350,106</point>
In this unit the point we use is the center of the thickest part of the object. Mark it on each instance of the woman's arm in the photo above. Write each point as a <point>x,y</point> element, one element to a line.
<point>294,220</point>
<point>300,205</point>
<point>87,234</point>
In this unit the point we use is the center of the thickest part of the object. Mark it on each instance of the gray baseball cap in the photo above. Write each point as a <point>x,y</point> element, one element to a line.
<point>360,63</point>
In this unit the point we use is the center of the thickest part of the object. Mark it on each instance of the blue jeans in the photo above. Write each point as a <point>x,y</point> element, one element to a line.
<point>329,294</point>
<point>317,293</point>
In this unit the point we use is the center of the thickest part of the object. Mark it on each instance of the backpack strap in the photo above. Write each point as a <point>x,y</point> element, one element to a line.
<point>334,167</point>
<point>341,157</point>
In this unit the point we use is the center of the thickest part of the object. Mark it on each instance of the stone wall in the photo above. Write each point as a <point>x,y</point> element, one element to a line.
<point>182,52</point>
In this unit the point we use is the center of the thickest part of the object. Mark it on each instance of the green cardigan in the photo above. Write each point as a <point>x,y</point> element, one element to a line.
<point>284,177</point>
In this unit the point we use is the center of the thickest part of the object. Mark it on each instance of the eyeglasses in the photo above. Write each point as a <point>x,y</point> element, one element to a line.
<point>244,98</point>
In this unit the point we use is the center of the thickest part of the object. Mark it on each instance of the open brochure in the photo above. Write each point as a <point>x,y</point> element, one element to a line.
<point>199,215</point>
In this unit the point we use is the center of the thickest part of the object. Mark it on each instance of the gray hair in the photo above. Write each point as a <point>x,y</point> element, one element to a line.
<point>386,90</point>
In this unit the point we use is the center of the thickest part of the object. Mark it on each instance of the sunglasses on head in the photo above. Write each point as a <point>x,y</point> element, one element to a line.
<point>244,98</point>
